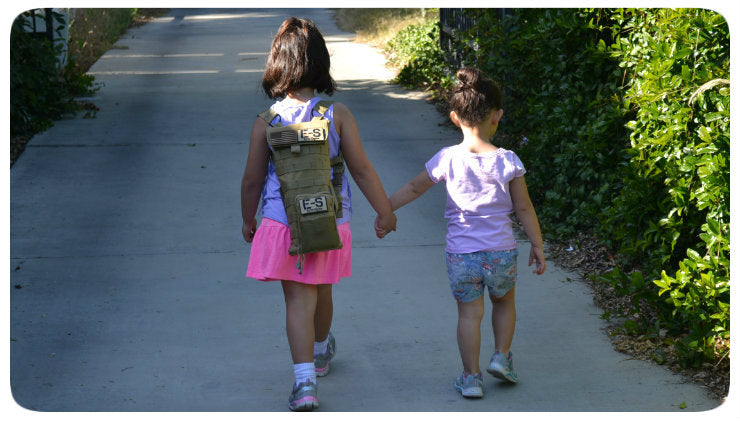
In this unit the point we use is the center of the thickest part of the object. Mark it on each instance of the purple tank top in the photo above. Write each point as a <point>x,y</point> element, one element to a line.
<point>290,113</point>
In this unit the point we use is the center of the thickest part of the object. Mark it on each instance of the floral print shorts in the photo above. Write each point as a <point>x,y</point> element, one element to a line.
<point>470,273</point>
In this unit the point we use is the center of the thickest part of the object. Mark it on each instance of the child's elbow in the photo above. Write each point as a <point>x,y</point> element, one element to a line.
<point>251,183</point>
<point>420,184</point>
<point>413,190</point>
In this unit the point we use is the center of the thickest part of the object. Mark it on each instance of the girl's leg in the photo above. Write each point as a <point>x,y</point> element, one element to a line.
<point>300,308</point>
<point>324,312</point>
<point>503,320</point>
<point>468,333</point>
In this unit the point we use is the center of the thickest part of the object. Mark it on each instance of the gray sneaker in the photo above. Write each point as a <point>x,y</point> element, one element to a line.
<point>303,397</point>
<point>470,386</point>
<point>502,367</point>
<point>322,361</point>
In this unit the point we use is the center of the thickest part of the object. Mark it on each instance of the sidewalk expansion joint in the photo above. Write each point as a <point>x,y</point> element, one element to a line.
<point>122,145</point>
<point>356,246</point>
<point>95,256</point>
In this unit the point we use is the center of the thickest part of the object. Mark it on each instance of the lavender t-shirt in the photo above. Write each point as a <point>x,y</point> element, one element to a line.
<point>478,198</point>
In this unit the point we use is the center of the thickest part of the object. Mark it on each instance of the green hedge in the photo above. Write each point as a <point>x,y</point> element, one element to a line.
<point>622,118</point>
<point>672,217</point>
<point>415,50</point>
<point>562,112</point>
<point>42,89</point>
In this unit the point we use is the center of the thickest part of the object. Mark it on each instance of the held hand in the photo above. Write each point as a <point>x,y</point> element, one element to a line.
<point>384,225</point>
<point>536,254</point>
<point>248,230</point>
<point>380,232</point>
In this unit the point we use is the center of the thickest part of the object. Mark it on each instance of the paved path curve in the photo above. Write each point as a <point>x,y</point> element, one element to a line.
<point>126,261</point>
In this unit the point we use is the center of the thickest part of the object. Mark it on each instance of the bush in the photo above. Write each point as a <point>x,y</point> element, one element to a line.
<point>40,89</point>
<point>416,52</point>
<point>673,214</point>
<point>622,118</point>
<point>93,31</point>
<point>377,26</point>
<point>563,109</point>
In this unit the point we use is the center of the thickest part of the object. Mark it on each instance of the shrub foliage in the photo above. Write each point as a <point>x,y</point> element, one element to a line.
<point>41,89</point>
<point>415,50</point>
<point>678,62</point>
<point>93,31</point>
<point>623,119</point>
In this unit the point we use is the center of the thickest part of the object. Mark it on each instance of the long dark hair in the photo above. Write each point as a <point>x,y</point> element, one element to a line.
<point>475,96</point>
<point>298,59</point>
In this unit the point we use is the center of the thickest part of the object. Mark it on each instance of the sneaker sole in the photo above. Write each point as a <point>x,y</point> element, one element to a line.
<point>321,372</point>
<point>308,403</point>
<point>499,375</point>
<point>471,392</point>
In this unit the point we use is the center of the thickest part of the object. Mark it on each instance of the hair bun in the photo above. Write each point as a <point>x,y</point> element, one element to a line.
<point>468,78</point>
<point>474,96</point>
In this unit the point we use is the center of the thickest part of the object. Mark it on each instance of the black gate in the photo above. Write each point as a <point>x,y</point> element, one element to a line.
<point>42,23</point>
<point>453,22</point>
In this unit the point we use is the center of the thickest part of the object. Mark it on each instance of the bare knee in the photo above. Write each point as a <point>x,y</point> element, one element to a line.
<point>473,310</point>
<point>507,298</point>
<point>296,293</point>
<point>324,291</point>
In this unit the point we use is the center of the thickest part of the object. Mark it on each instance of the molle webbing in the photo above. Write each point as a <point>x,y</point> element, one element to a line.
<point>310,181</point>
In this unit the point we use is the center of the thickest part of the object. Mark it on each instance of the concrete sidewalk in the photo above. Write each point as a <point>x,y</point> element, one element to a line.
<point>127,262</point>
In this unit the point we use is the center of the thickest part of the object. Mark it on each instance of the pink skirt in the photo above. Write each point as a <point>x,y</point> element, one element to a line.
<point>269,259</point>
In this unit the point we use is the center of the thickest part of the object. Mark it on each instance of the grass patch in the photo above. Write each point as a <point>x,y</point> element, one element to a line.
<point>94,31</point>
<point>377,26</point>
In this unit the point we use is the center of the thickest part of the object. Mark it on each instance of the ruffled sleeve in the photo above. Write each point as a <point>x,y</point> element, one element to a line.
<point>437,167</point>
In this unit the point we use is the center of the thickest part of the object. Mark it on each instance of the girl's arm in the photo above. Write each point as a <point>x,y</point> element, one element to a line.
<point>254,177</point>
<point>411,190</point>
<point>407,193</point>
<point>528,217</point>
<point>361,168</point>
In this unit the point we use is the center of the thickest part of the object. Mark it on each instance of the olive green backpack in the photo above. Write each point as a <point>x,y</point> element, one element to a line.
<point>312,199</point>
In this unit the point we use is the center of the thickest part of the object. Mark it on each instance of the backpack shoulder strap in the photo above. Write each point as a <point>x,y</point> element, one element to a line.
<point>269,115</point>
<point>322,107</point>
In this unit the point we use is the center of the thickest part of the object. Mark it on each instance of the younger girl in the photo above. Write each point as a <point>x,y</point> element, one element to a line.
<point>485,184</point>
<point>297,67</point>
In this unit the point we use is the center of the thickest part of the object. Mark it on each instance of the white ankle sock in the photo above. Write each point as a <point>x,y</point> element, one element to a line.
<point>303,372</point>
<point>320,347</point>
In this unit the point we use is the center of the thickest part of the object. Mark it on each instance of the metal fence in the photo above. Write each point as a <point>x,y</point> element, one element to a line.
<point>41,23</point>
<point>51,24</point>
<point>454,22</point>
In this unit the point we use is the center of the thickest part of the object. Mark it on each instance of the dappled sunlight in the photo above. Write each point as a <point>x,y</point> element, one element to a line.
<point>166,19</point>
<point>379,87</point>
<point>406,95</point>
<point>216,16</point>
<point>204,59</point>
<point>346,55</point>
<point>146,63</point>
<point>334,39</point>
<point>154,72</point>
<point>162,55</point>
<point>221,16</point>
